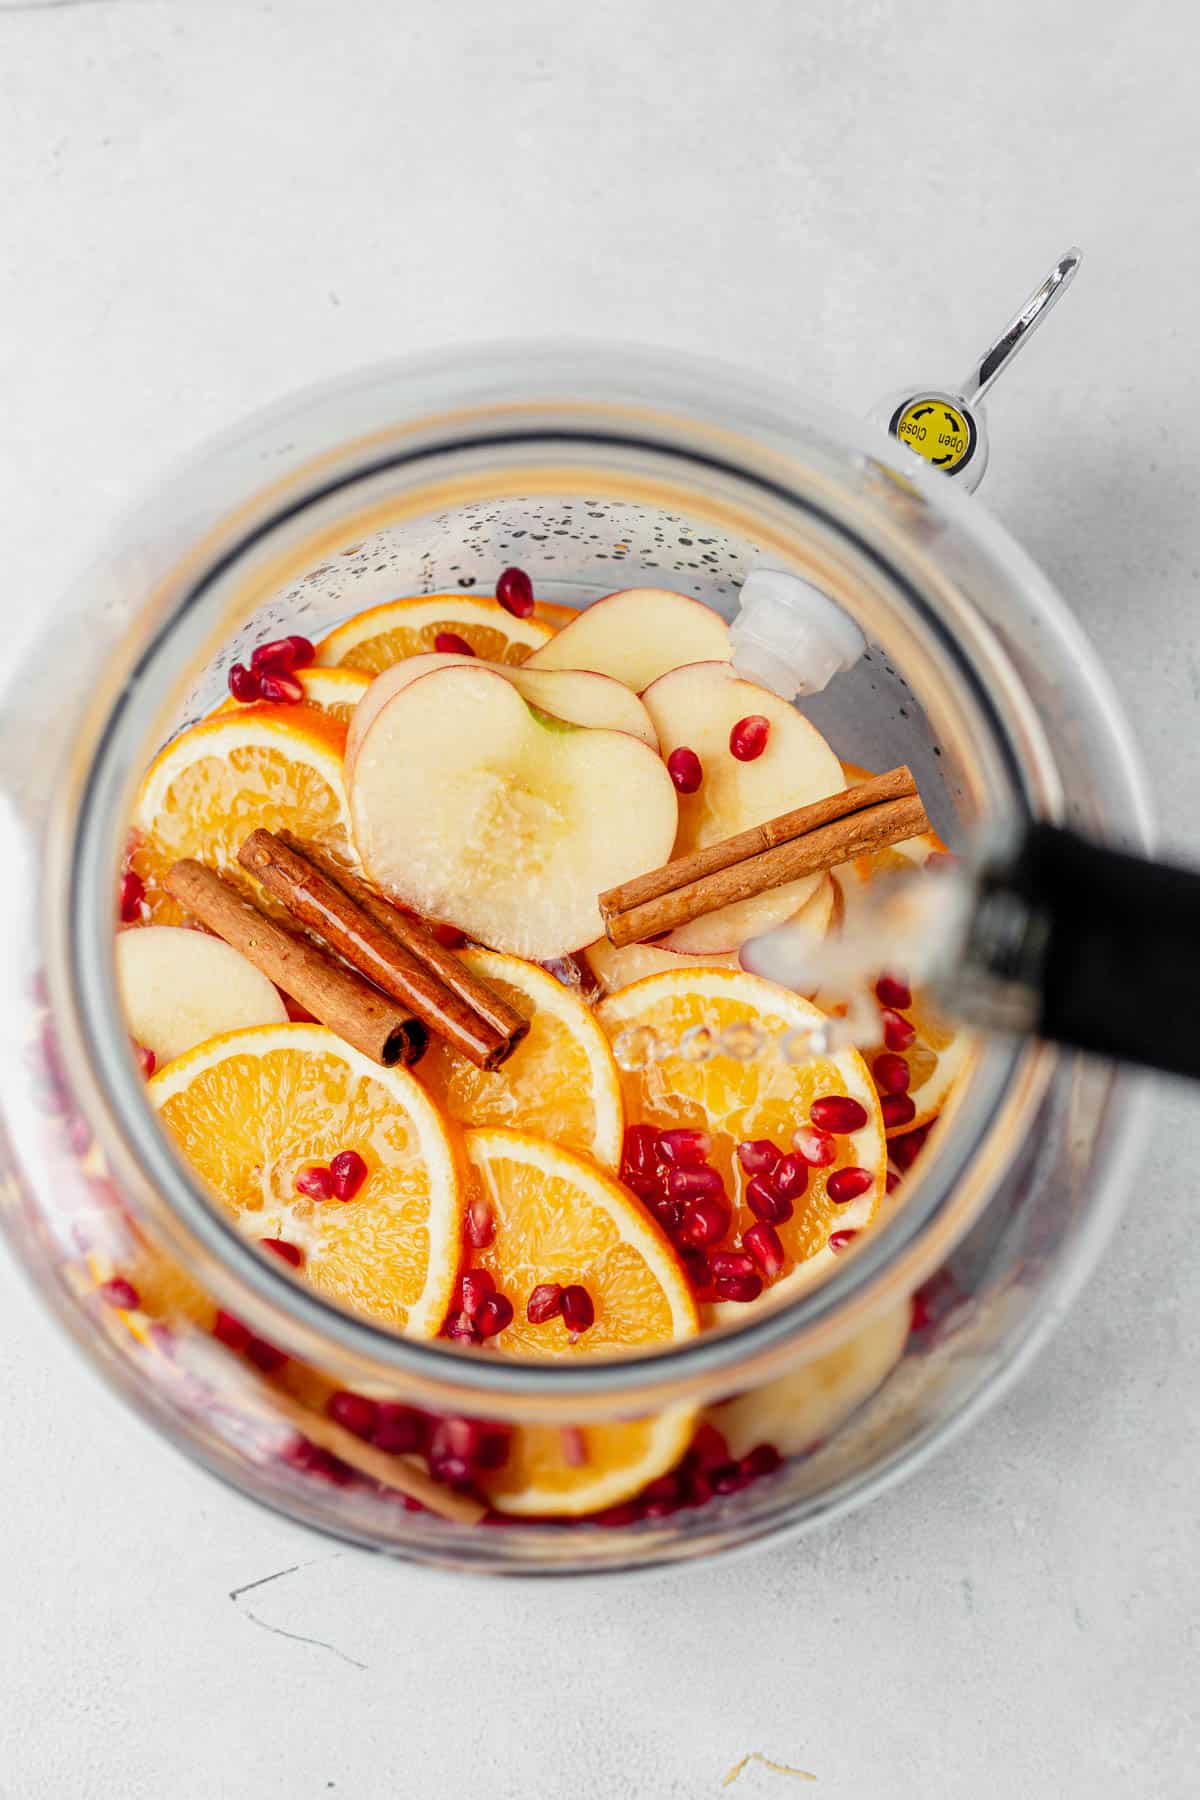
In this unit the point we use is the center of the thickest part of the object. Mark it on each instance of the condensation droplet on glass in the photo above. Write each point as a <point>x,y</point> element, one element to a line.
<point>636,1048</point>
<point>697,1044</point>
<point>742,1040</point>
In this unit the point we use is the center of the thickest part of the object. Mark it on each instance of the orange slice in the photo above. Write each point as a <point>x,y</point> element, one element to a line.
<point>277,766</point>
<point>250,1110</point>
<point>554,615</point>
<point>550,1471</point>
<point>558,1217</point>
<point>559,1083</point>
<point>762,1097</point>
<point>384,635</point>
<point>335,692</point>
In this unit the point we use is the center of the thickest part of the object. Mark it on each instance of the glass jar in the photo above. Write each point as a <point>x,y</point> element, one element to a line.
<point>592,471</point>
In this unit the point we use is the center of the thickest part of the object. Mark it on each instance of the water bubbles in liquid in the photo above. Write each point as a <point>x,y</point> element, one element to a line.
<point>742,1040</point>
<point>636,1048</point>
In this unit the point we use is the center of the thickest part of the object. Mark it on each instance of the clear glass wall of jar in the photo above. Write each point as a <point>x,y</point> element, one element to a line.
<point>594,471</point>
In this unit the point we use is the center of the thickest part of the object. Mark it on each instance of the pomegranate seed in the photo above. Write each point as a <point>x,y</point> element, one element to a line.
<point>838,1113</point>
<point>460,1329</point>
<point>494,1313</point>
<point>119,1292</point>
<point>847,1184</point>
<point>304,651</point>
<point>892,1074</point>
<point>452,1471</point>
<point>147,1061</point>
<point>316,1181</point>
<point>348,1171</point>
<point>684,1146</point>
<point>649,1187</point>
<point>705,1221</point>
<point>514,591</point>
<point>574,1446</point>
<point>244,685</point>
<point>729,1479</point>
<point>545,1302</point>
<point>354,1411</point>
<point>474,1286</point>
<point>288,1253</point>
<point>685,769</point>
<point>281,687</point>
<point>893,1180</point>
<point>690,1181</point>
<point>893,993</point>
<point>764,1459</point>
<point>450,644</point>
<point>905,1149</point>
<point>699,1488</point>
<point>758,1156</point>
<point>639,1152</point>
<point>398,1429</point>
<point>743,1288</point>
<point>578,1309</point>
<point>265,1356</point>
<point>762,1241</point>
<point>669,1213</point>
<point>898,1033</point>
<point>479,1227</point>
<point>475,1441</point>
<point>699,1272</point>
<point>614,1516</point>
<point>733,1263</point>
<point>230,1331</point>
<point>839,1239</point>
<point>449,936</point>
<point>708,1448</point>
<point>276,658</point>
<point>662,1497</point>
<point>765,1203</point>
<point>748,739</point>
<point>130,894</point>
<point>815,1146</point>
<point>897,1109</point>
<point>789,1177</point>
<point>920,1315</point>
<point>312,1461</point>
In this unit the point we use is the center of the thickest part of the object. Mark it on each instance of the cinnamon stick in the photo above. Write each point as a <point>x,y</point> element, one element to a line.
<point>337,996</point>
<point>403,1473</point>
<point>806,841</point>
<point>416,936</point>
<point>383,953</point>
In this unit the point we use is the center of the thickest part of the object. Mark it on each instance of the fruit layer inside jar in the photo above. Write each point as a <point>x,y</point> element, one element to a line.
<point>477,773</point>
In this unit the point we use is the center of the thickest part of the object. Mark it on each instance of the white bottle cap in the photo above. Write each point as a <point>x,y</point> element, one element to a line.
<point>790,637</point>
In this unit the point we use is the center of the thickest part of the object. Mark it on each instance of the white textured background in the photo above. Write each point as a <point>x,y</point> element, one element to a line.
<point>204,204</point>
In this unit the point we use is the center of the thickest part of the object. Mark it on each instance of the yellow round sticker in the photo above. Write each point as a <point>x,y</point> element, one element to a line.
<point>944,434</point>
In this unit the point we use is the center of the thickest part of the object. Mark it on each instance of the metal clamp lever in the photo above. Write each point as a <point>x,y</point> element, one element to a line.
<point>946,426</point>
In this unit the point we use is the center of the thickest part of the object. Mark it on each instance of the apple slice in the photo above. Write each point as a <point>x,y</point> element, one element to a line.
<point>476,808</point>
<point>576,696</point>
<point>179,987</point>
<point>696,708</point>
<point>616,968</point>
<point>636,636</point>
